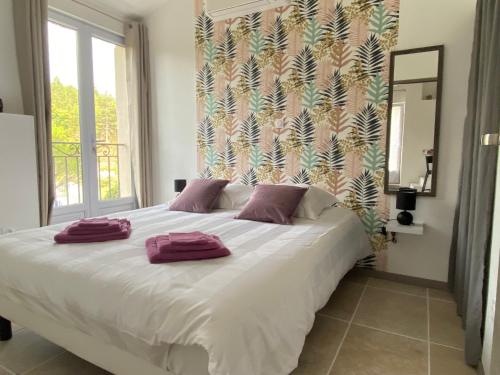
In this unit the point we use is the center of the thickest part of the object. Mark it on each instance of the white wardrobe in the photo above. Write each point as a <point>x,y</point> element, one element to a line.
<point>18,173</point>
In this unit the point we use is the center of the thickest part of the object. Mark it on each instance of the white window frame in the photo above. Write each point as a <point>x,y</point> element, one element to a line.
<point>91,205</point>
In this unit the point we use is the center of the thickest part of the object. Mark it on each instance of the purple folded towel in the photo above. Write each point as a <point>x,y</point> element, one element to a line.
<point>110,227</point>
<point>95,222</point>
<point>166,245</point>
<point>192,238</point>
<point>122,232</point>
<point>156,256</point>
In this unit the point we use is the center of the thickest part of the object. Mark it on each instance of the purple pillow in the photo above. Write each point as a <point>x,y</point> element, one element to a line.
<point>199,196</point>
<point>272,204</point>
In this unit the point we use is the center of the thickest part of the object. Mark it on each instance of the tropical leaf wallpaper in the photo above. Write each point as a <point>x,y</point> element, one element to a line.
<point>299,94</point>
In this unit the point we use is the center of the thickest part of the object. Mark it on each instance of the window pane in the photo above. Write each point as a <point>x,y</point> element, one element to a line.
<point>112,128</point>
<point>397,120</point>
<point>66,147</point>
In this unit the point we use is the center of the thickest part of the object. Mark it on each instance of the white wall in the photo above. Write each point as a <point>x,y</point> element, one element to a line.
<point>171,33</point>
<point>10,86</point>
<point>422,24</point>
<point>173,78</point>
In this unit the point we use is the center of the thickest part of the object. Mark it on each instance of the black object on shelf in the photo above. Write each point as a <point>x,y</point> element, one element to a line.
<point>179,185</point>
<point>5,329</point>
<point>1,105</point>
<point>406,200</point>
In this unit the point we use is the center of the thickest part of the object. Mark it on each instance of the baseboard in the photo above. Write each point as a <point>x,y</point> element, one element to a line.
<point>426,283</point>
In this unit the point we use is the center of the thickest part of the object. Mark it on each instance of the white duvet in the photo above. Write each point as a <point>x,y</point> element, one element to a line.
<point>250,311</point>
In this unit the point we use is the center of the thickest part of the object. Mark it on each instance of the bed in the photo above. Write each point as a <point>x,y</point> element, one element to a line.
<point>247,313</point>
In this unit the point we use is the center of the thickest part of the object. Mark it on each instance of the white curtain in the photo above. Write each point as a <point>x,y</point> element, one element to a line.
<point>31,27</point>
<point>139,93</point>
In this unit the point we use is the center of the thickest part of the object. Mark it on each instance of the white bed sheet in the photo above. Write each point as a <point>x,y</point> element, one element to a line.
<point>250,312</point>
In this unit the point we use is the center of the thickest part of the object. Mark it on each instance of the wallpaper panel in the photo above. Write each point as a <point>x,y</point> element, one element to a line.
<point>299,94</point>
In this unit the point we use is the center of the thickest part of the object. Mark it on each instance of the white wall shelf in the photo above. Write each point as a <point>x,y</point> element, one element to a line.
<point>394,227</point>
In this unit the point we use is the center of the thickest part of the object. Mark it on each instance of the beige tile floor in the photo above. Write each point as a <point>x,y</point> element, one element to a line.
<point>369,327</point>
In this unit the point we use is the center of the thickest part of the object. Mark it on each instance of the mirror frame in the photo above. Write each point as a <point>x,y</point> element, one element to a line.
<point>437,121</point>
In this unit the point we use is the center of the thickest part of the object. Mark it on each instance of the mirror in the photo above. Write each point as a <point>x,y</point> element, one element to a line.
<point>413,118</point>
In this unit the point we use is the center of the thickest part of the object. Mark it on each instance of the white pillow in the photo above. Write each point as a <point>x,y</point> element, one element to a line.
<point>314,202</point>
<point>234,196</point>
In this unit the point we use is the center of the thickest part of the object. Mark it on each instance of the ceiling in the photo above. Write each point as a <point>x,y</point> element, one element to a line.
<point>125,8</point>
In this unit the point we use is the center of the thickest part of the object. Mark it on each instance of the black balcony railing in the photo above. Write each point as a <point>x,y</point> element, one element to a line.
<point>68,171</point>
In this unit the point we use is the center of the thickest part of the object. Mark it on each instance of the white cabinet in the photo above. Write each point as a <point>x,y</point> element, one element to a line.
<point>18,173</point>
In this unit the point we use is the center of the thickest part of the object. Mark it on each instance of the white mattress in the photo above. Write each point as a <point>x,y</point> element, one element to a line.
<point>247,313</point>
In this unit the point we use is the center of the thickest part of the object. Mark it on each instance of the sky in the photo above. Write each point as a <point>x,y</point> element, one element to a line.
<point>63,59</point>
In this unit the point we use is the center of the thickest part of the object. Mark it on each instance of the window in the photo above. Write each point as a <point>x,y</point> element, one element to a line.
<point>111,120</point>
<point>90,130</point>
<point>396,142</point>
<point>66,145</point>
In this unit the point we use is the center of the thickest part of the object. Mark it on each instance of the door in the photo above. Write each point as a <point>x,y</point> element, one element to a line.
<point>491,347</point>
<point>90,130</point>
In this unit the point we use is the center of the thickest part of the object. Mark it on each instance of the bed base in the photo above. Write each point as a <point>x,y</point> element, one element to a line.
<point>104,355</point>
<point>5,329</point>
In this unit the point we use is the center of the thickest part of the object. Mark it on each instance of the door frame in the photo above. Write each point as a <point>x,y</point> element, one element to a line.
<point>91,205</point>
